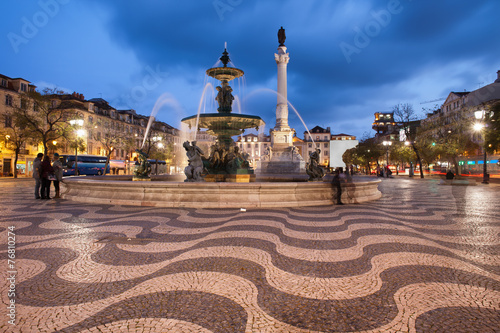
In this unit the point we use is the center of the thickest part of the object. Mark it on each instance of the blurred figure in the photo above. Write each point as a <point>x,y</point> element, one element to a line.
<point>37,164</point>
<point>45,173</point>
<point>336,184</point>
<point>58,172</point>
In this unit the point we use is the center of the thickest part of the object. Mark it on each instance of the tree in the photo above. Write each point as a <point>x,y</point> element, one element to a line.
<point>365,153</point>
<point>402,153</point>
<point>447,137</point>
<point>492,131</point>
<point>111,136</point>
<point>406,117</point>
<point>16,135</point>
<point>40,113</point>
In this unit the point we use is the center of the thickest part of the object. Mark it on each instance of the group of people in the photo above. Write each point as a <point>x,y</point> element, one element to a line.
<point>46,172</point>
<point>384,172</point>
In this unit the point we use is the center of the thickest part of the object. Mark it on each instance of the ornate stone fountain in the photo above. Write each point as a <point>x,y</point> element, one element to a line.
<point>225,162</point>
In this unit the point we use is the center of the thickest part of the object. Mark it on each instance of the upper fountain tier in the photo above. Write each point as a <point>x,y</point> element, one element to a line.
<point>224,124</point>
<point>225,74</point>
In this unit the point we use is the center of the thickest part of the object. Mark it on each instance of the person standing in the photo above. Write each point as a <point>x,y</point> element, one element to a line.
<point>37,164</point>
<point>47,170</point>
<point>58,172</point>
<point>337,186</point>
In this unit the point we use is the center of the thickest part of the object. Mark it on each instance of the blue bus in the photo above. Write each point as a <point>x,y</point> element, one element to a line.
<point>87,165</point>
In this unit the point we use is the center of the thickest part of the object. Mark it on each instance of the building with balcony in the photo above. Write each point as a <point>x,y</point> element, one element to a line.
<point>101,126</point>
<point>317,138</point>
<point>385,126</point>
<point>254,146</point>
<point>11,91</point>
<point>457,114</point>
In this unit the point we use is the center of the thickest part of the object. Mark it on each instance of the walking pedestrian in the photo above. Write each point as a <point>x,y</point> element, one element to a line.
<point>47,171</point>
<point>37,163</point>
<point>58,173</point>
<point>337,186</point>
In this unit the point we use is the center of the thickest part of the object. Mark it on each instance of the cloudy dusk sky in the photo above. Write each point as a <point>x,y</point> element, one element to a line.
<point>348,59</point>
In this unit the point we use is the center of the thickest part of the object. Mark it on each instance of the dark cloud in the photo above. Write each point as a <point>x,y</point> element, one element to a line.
<point>410,51</point>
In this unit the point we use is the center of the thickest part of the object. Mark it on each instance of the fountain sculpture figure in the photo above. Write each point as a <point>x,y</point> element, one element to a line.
<point>313,169</point>
<point>225,162</point>
<point>142,168</point>
<point>194,169</point>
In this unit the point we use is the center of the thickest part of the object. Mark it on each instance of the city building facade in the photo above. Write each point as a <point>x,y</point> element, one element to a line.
<point>385,126</point>
<point>253,145</point>
<point>461,106</point>
<point>103,129</point>
<point>317,138</point>
<point>11,92</point>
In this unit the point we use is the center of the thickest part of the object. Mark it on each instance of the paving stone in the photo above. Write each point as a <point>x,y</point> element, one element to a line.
<point>424,258</point>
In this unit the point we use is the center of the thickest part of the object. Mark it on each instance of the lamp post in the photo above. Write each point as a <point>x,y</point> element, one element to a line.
<point>79,134</point>
<point>387,144</point>
<point>481,115</point>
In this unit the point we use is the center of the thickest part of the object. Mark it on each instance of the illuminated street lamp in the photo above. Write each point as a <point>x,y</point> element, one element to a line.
<point>80,133</point>
<point>74,122</point>
<point>387,144</point>
<point>481,115</point>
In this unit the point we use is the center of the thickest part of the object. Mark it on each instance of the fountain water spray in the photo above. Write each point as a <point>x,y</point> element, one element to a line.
<point>208,85</point>
<point>288,102</point>
<point>164,99</point>
<point>237,103</point>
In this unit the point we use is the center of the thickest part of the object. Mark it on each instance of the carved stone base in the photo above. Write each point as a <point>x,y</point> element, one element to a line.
<point>237,178</point>
<point>240,178</point>
<point>140,179</point>
<point>215,178</point>
<point>281,167</point>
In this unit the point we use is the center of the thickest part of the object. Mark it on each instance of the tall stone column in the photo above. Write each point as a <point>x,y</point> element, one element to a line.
<point>282,157</point>
<point>282,59</point>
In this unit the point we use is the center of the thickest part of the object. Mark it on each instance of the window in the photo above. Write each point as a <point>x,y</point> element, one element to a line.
<point>24,103</point>
<point>249,145</point>
<point>325,145</point>
<point>326,152</point>
<point>91,119</point>
<point>317,137</point>
<point>4,83</point>
<point>8,121</point>
<point>310,145</point>
<point>24,87</point>
<point>255,139</point>
<point>317,145</point>
<point>8,100</point>
<point>326,137</point>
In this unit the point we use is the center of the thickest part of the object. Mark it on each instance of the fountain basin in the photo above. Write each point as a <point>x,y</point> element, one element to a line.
<point>227,124</point>
<point>110,190</point>
<point>225,73</point>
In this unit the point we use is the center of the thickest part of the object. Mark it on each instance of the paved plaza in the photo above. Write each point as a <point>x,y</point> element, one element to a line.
<point>424,258</point>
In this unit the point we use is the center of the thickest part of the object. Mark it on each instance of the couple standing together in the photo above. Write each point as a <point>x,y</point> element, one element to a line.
<point>44,172</point>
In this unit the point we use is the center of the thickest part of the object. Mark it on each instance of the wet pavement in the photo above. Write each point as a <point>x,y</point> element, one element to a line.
<point>424,258</point>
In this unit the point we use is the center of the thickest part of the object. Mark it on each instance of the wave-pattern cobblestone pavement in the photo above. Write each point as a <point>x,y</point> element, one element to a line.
<point>424,258</point>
